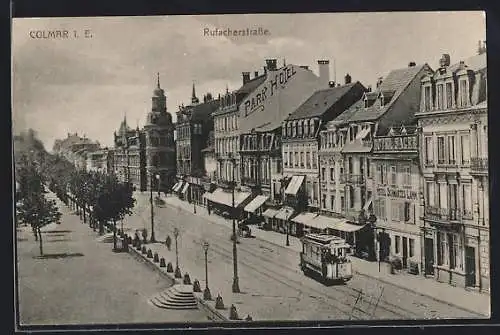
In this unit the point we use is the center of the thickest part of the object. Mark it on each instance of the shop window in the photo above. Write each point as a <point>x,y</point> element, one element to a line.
<point>397,245</point>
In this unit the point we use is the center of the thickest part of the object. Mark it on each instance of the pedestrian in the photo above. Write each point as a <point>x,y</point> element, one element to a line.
<point>168,242</point>
<point>144,235</point>
<point>208,208</point>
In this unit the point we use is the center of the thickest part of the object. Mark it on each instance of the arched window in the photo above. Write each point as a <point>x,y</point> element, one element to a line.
<point>311,127</point>
<point>300,128</point>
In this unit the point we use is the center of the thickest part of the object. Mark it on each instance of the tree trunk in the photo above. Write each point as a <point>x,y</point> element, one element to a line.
<point>84,216</point>
<point>35,233</point>
<point>40,241</point>
<point>114,234</point>
<point>101,228</point>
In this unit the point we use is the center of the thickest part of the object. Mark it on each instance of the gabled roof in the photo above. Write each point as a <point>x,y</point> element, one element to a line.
<point>251,85</point>
<point>320,101</point>
<point>396,81</point>
<point>474,63</point>
<point>204,110</point>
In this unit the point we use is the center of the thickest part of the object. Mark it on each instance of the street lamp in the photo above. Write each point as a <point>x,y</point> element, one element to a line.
<point>158,182</point>
<point>287,227</point>
<point>236,286</point>
<point>206,293</point>
<point>153,240</point>
<point>177,270</point>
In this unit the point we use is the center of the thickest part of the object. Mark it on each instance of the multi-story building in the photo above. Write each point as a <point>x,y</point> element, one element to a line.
<point>454,159</point>
<point>160,145</point>
<point>227,143</point>
<point>194,123</point>
<point>210,163</point>
<point>346,148</point>
<point>261,118</point>
<point>301,144</point>
<point>146,157</point>
<point>74,149</point>
<point>99,160</point>
<point>129,156</point>
<point>396,197</point>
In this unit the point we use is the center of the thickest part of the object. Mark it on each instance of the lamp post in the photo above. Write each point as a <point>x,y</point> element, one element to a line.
<point>478,246</point>
<point>236,286</point>
<point>287,227</point>
<point>153,240</point>
<point>206,293</point>
<point>158,182</point>
<point>194,198</point>
<point>176,234</point>
<point>422,250</point>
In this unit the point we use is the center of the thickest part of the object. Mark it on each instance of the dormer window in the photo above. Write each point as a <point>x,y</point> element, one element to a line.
<point>294,129</point>
<point>381,100</point>
<point>440,97</point>
<point>300,127</point>
<point>306,128</point>
<point>311,127</point>
<point>289,127</point>
<point>449,95</point>
<point>464,94</point>
<point>427,98</point>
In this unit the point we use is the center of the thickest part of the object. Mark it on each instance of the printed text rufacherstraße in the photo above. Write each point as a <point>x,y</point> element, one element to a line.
<point>236,32</point>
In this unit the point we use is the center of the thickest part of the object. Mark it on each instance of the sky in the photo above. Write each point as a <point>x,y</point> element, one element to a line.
<point>88,85</point>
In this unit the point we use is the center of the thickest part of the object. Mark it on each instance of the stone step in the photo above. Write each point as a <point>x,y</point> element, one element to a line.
<point>169,296</point>
<point>170,305</point>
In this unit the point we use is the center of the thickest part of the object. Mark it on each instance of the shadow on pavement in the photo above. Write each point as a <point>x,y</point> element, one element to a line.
<point>59,240</point>
<point>62,255</point>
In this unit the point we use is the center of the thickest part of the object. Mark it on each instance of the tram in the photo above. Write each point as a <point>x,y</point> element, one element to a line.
<point>326,255</point>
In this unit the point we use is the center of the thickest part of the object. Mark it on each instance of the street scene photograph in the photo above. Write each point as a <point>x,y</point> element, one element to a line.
<point>251,168</point>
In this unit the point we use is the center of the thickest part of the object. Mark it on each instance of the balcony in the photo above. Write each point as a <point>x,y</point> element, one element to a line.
<point>354,179</point>
<point>479,165</point>
<point>247,181</point>
<point>448,217</point>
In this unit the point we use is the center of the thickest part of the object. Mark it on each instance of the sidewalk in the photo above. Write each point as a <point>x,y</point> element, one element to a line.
<point>441,292</point>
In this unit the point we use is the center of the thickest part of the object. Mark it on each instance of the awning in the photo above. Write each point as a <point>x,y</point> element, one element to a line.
<point>178,187</point>
<point>368,203</point>
<point>256,203</point>
<point>284,213</point>
<point>225,198</point>
<point>175,185</point>
<point>336,224</point>
<point>304,218</point>
<point>184,190</point>
<point>294,185</point>
<point>270,213</point>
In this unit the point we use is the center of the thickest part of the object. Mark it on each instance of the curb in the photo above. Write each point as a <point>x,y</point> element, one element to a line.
<point>377,278</point>
<point>211,312</point>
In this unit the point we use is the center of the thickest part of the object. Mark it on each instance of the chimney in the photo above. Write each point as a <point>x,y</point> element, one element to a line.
<point>271,64</point>
<point>256,74</point>
<point>411,64</point>
<point>379,82</point>
<point>481,47</point>
<point>331,84</point>
<point>445,60</point>
<point>369,88</point>
<point>324,72</point>
<point>246,77</point>
<point>347,79</point>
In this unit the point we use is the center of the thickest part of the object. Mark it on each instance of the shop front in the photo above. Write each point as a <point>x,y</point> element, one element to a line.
<point>254,209</point>
<point>221,201</point>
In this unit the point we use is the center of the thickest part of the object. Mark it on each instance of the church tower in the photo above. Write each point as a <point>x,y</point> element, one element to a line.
<point>160,146</point>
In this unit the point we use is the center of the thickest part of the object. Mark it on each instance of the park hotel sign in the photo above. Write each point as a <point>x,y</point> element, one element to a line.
<point>394,192</point>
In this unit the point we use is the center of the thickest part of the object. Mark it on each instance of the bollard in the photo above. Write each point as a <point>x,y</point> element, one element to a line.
<point>144,251</point>
<point>170,268</point>
<point>206,294</point>
<point>248,318</point>
<point>150,254</point>
<point>219,304</point>
<point>196,286</point>
<point>177,274</point>
<point>187,280</point>
<point>233,314</point>
<point>162,262</point>
<point>156,259</point>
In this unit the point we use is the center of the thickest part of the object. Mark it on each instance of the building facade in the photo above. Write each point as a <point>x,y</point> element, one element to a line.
<point>454,160</point>
<point>347,148</point>
<point>160,150</point>
<point>74,148</point>
<point>194,123</point>
<point>396,197</point>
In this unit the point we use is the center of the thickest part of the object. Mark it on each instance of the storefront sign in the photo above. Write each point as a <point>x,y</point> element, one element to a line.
<point>397,193</point>
<point>274,82</point>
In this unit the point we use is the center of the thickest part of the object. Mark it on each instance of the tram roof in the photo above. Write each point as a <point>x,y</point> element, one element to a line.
<point>326,239</point>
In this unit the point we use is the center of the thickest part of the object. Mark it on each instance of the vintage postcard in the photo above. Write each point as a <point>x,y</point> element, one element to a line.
<point>244,168</point>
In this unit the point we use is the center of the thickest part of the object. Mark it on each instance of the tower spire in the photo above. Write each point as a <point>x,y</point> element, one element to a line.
<point>227,89</point>
<point>158,78</point>
<point>194,99</point>
<point>284,61</point>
